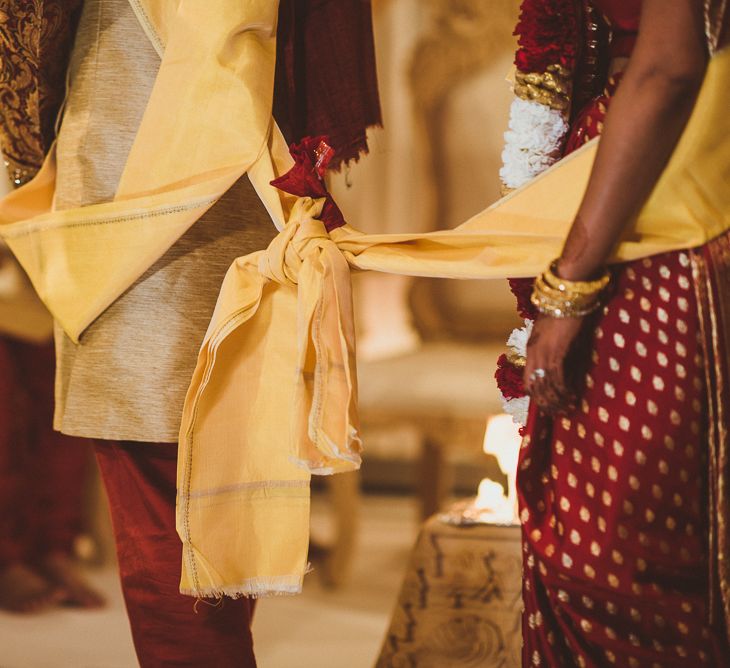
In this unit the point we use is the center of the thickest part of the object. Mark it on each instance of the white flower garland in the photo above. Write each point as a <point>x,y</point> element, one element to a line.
<point>533,142</point>
<point>517,341</point>
<point>518,409</point>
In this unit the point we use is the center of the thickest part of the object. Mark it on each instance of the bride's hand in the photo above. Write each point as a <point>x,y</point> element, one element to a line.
<point>545,378</point>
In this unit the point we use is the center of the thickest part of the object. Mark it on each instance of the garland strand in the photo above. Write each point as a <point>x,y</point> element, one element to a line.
<point>549,38</point>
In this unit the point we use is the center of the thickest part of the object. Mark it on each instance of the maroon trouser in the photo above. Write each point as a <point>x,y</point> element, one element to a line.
<point>169,629</point>
<point>41,471</point>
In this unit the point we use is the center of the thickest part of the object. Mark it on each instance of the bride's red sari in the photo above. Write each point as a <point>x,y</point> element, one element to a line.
<point>621,498</point>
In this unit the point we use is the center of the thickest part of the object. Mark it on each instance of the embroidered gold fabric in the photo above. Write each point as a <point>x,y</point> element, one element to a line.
<point>717,19</point>
<point>35,41</point>
<point>551,88</point>
<point>711,272</point>
<point>719,251</point>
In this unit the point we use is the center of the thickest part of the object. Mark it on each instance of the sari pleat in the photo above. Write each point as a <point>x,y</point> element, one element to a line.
<point>712,285</point>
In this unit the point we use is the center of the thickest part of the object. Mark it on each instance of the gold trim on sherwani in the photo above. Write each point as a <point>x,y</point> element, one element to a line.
<point>717,25</point>
<point>35,41</point>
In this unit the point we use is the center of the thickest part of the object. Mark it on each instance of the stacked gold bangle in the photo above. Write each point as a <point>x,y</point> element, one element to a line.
<point>560,298</point>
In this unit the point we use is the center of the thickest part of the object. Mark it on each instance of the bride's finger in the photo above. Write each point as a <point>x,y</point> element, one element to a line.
<point>556,379</point>
<point>540,393</point>
<point>553,399</point>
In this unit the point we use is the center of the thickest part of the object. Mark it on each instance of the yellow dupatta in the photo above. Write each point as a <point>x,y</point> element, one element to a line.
<point>274,394</point>
<point>208,121</point>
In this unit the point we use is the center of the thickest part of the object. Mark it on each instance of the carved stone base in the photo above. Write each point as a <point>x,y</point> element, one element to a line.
<point>460,603</point>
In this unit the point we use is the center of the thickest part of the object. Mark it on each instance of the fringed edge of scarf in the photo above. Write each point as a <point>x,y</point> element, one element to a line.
<point>353,150</point>
<point>262,587</point>
<point>717,25</point>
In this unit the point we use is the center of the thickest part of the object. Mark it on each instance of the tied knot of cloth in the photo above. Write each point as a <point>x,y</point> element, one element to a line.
<point>303,236</point>
<point>310,266</point>
<point>313,385</point>
<point>291,411</point>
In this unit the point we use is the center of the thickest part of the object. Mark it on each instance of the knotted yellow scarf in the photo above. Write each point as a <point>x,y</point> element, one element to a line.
<point>208,121</point>
<point>274,395</point>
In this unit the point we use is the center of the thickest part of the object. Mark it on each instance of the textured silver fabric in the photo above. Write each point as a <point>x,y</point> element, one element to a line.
<point>127,378</point>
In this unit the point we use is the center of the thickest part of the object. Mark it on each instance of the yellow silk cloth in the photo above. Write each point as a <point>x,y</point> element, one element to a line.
<point>208,121</point>
<point>274,395</point>
<point>22,314</point>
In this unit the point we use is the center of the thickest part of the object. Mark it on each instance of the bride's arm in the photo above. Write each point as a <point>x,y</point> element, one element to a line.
<point>644,123</point>
<point>647,116</point>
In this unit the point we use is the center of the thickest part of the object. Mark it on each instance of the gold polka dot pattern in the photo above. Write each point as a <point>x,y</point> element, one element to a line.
<point>616,564</point>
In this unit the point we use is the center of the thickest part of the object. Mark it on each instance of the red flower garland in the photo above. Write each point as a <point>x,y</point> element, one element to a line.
<point>522,290</point>
<point>549,34</point>
<point>509,379</point>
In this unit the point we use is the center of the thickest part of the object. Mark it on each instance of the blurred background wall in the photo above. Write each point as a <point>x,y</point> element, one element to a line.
<point>429,346</point>
<point>442,67</point>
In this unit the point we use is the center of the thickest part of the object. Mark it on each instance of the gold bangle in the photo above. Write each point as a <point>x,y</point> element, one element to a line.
<point>544,289</point>
<point>561,298</point>
<point>562,309</point>
<point>580,287</point>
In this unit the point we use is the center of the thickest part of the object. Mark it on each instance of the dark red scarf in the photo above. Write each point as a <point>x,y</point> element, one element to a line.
<point>326,82</point>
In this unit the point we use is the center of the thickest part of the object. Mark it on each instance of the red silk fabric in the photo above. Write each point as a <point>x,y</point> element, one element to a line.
<point>169,629</point>
<point>623,18</point>
<point>306,178</point>
<point>589,121</point>
<point>41,471</point>
<point>326,81</point>
<point>612,495</point>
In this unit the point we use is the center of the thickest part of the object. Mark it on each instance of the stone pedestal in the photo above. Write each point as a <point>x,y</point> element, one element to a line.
<point>460,603</point>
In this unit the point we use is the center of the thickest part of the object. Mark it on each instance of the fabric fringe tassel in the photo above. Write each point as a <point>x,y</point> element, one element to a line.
<point>270,587</point>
